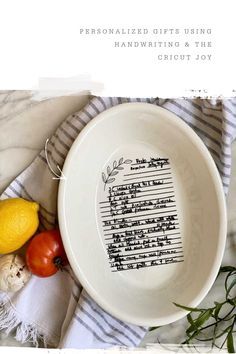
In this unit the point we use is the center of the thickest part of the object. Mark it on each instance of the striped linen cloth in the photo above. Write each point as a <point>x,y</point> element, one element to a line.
<point>56,310</point>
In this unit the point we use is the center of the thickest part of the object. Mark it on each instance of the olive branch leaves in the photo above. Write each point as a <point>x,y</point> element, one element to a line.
<point>111,172</point>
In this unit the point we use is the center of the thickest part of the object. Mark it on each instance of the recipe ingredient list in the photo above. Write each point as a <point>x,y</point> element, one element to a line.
<point>139,216</point>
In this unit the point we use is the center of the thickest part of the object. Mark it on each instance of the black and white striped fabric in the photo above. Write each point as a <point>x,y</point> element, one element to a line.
<point>80,322</point>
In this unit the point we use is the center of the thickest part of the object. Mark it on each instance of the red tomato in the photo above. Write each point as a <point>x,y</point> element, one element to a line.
<point>45,253</point>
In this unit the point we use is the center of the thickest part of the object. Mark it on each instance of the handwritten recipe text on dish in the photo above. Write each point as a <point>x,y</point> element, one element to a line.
<point>139,216</point>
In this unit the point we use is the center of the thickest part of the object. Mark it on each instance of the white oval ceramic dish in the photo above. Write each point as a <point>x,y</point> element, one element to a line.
<point>142,214</point>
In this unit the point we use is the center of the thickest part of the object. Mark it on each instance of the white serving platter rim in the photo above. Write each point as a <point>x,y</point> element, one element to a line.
<point>203,151</point>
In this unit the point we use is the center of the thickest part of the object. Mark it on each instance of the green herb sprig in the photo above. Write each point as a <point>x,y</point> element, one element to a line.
<point>211,319</point>
<point>216,324</point>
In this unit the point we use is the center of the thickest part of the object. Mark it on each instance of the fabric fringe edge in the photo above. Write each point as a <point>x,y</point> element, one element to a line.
<point>25,332</point>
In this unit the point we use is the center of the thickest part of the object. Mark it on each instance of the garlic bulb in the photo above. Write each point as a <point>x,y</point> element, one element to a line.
<point>13,273</point>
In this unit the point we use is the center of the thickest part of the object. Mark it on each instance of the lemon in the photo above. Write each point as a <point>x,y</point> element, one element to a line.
<point>18,222</point>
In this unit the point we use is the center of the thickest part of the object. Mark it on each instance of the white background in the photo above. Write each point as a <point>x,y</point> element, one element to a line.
<point>40,39</point>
